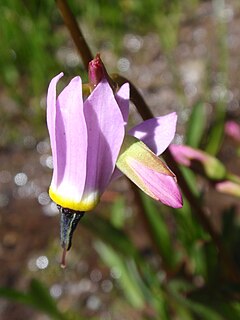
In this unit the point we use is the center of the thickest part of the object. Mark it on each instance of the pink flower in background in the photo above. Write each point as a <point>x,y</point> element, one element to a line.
<point>184,154</point>
<point>232,129</point>
<point>188,156</point>
<point>228,187</point>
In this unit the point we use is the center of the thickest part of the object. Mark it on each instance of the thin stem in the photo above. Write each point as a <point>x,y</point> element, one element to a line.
<point>77,36</point>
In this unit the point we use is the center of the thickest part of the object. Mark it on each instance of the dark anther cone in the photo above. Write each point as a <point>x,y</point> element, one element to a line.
<point>69,222</point>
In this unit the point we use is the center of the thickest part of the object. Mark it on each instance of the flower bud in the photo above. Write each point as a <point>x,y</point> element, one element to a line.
<point>228,187</point>
<point>148,172</point>
<point>203,162</point>
<point>96,70</point>
<point>232,129</point>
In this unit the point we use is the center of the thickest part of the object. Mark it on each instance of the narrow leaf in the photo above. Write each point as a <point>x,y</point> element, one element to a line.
<point>196,125</point>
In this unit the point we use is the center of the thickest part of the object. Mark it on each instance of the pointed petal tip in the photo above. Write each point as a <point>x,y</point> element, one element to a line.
<point>56,78</point>
<point>53,84</point>
<point>75,85</point>
<point>174,117</point>
<point>173,197</point>
<point>76,79</point>
<point>173,203</point>
<point>178,203</point>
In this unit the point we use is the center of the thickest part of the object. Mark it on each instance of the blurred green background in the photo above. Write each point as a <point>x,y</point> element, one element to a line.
<point>131,258</point>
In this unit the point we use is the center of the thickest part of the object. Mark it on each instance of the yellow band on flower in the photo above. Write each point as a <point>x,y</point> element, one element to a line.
<point>87,203</point>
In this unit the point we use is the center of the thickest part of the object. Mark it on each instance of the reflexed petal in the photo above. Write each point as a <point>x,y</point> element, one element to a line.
<point>148,172</point>
<point>156,133</point>
<point>51,118</point>
<point>71,142</point>
<point>105,128</point>
<point>122,98</point>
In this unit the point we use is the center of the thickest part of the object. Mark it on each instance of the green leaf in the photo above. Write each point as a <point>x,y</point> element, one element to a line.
<point>38,297</point>
<point>127,279</point>
<point>118,213</point>
<point>159,231</point>
<point>191,180</point>
<point>102,228</point>
<point>17,296</point>
<point>196,125</point>
<point>219,298</point>
<point>215,136</point>
<point>202,310</point>
<point>188,228</point>
<point>42,300</point>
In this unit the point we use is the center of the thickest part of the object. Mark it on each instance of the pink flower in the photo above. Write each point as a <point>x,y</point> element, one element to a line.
<point>188,156</point>
<point>85,138</point>
<point>229,187</point>
<point>232,129</point>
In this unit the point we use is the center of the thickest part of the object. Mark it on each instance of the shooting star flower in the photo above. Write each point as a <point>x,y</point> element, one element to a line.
<point>88,142</point>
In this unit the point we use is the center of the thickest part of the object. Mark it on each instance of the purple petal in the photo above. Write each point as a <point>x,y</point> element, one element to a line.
<point>122,98</point>
<point>156,133</point>
<point>71,145</point>
<point>159,186</point>
<point>105,128</point>
<point>51,118</point>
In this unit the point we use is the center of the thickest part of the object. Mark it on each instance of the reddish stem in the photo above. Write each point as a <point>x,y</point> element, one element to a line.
<point>63,261</point>
<point>75,32</point>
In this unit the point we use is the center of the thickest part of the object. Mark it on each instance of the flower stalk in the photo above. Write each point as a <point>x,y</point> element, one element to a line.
<point>75,31</point>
